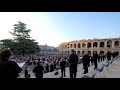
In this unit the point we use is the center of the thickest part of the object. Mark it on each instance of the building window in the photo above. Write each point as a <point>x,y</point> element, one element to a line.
<point>89,52</point>
<point>65,46</point>
<point>75,52</point>
<point>95,44</point>
<point>79,52</point>
<point>94,52</point>
<point>78,45</point>
<point>83,52</point>
<point>71,46</point>
<point>116,43</point>
<point>101,52</point>
<point>101,44</point>
<point>83,45</point>
<point>74,45</point>
<point>109,43</point>
<point>68,52</point>
<point>88,45</point>
<point>116,53</point>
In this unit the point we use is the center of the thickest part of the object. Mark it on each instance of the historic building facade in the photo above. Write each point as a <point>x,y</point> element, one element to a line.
<point>46,48</point>
<point>101,46</point>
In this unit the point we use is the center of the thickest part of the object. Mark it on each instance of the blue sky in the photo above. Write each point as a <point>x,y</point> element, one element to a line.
<point>85,25</point>
<point>53,28</point>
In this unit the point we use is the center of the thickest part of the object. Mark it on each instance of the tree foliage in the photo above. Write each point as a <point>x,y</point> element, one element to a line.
<point>20,31</point>
<point>22,43</point>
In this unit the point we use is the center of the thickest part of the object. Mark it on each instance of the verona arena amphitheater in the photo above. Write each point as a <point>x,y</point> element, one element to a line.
<point>101,46</point>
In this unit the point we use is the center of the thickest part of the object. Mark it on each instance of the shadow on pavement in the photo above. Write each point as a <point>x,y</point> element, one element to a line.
<point>85,76</point>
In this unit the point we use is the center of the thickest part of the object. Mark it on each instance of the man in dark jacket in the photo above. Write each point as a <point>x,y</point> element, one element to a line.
<point>47,67</point>
<point>34,62</point>
<point>73,61</point>
<point>38,70</point>
<point>99,58</point>
<point>26,74</point>
<point>62,66</point>
<point>108,56</point>
<point>85,60</point>
<point>8,69</point>
<point>95,58</point>
<point>91,59</point>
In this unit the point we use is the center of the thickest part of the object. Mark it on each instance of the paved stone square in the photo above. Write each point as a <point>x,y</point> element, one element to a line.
<point>51,74</point>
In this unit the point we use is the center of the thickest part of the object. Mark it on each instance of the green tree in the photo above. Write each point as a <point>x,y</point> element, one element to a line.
<point>20,31</point>
<point>22,42</point>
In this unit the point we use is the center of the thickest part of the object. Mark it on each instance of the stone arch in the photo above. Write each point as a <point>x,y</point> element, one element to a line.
<point>78,52</point>
<point>94,52</point>
<point>89,52</point>
<point>83,52</point>
<point>116,43</point>
<point>70,45</point>
<point>89,45</point>
<point>83,45</point>
<point>68,52</point>
<point>95,44</point>
<point>102,44</point>
<point>116,53</point>
<point>79,45</point>
<point>65,46</point>
<point>75,52</point>
<point>109,43</point>
<point>101,52</point>
<point>74,45</point>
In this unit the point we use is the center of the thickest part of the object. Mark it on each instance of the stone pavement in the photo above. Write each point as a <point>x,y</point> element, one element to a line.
<point>79,73</point>
<point>112,71</point>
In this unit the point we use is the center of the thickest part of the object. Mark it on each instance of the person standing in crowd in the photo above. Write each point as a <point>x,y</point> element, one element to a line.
<point>54,64</point>
<point>8,69</point>
<point>51,66</point>
<point>91,59</point>
<point>47,67</point>
<point>112,55</point>
<point>45,64</point>
<point>38,70</point>
<point>62,66</point>
<point>27,75</point>
<point>95,57</point>
<point>73,61</point>
<point>108,56</point>
<point>85,60</point>
<point>99,58</point>
<point>67,63</point>
<point>34,62</point>
<point>103,57</point>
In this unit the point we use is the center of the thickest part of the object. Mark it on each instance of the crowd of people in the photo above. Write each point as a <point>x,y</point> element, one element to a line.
<point>44,63</point>
<point>47,63</point>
